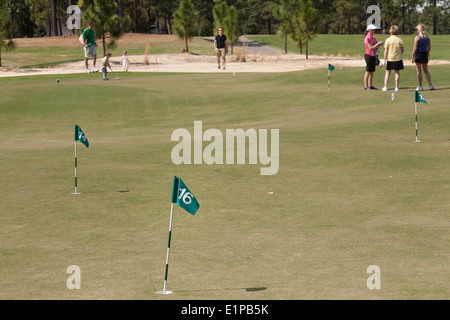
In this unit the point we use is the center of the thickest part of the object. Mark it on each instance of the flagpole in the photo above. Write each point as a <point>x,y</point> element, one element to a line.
<point>168,252</point>
<point>75,168</point>
<point>328,78</point>
<point>417,140</point>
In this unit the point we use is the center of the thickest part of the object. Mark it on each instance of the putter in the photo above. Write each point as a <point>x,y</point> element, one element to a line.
<point>115,77</point>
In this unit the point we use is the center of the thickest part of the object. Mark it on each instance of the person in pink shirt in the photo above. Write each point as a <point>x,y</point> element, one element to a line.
<point>370,56</point>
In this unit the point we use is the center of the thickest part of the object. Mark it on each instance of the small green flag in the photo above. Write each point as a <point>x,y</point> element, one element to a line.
<point>330,67</point>
<point>79,136</point>
<point>183,197</point>
<point>419,98</point>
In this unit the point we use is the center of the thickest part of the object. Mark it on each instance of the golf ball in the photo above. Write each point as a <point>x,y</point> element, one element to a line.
<point>392,97</point>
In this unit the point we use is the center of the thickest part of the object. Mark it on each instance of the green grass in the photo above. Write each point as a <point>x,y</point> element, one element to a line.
<point>352,45</point>
<point>353,189</point>
<point>50,55</point>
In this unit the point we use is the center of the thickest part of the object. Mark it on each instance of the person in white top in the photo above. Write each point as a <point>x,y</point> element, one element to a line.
<point>125,62</point>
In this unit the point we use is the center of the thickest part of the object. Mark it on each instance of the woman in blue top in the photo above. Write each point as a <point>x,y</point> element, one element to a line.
<point>421,51</point>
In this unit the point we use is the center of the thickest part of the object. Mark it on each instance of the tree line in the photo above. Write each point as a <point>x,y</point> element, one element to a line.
<point>37,18</point>
<point>298,19</point>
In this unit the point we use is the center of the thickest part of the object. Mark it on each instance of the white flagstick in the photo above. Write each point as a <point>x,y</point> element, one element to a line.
<point>75,168</point>
<point>167,256</point>
<point>417,140</point>
<point>328,78</point>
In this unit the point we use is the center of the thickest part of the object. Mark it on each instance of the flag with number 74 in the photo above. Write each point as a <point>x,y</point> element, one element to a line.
<point>183,197</point>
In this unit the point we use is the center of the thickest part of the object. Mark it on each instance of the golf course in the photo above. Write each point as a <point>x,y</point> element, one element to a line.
<point>354,189</point>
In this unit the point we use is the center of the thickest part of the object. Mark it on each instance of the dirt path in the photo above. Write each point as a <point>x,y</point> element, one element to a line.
<point>256,47</point>
<point>251,46</point>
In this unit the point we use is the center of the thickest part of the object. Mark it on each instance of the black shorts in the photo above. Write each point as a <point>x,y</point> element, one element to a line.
<point>395,65</point>
<point>370,63</point>
<point>421,57</point>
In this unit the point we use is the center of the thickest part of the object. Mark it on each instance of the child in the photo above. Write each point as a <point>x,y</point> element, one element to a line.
<point>125,62</point>
<point>394,49</point>
<point>105,64</point>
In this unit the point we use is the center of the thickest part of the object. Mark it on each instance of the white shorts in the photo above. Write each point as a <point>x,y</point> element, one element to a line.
<point>90,51</point>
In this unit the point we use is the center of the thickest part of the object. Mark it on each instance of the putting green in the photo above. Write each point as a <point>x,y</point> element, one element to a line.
<point>353,188</point>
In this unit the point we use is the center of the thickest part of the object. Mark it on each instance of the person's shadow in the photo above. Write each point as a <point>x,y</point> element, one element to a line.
<point>412,89</point>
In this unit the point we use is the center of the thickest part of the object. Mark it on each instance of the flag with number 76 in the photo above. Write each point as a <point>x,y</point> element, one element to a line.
<point>183,197</point>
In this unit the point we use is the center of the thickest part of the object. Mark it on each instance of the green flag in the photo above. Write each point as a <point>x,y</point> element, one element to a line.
<point>330,67</point>
<point>419,98</point>
<point>183,197</point>
<point>79,136</point>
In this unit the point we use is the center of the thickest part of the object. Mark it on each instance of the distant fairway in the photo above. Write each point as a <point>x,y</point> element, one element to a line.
<point>353,45</point>
<point>353,188</point>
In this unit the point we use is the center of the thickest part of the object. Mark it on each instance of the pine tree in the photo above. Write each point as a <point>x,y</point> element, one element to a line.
<point>5,31</point>
<point>309,22</point>
<point>185,22</point>
<point>107,22</point>
<point>284,13</point>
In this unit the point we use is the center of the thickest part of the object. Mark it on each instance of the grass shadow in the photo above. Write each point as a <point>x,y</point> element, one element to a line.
<point>226,289</point>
